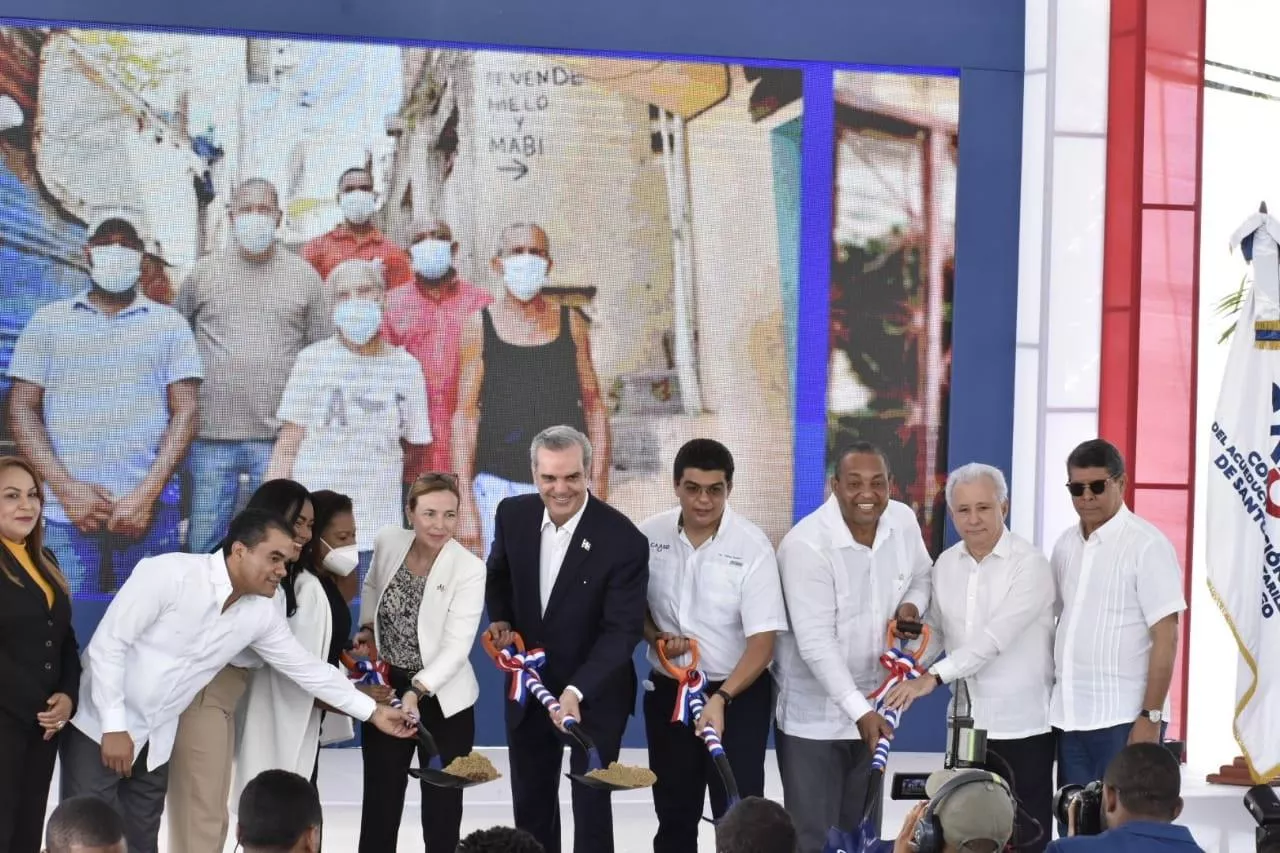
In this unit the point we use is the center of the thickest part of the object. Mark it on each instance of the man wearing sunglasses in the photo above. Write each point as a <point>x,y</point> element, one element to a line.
<point>1119,596</point>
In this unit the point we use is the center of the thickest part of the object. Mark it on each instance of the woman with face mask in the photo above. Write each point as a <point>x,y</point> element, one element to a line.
<point>283,727</point>
<point>349,403</point>
<point>419,610</point>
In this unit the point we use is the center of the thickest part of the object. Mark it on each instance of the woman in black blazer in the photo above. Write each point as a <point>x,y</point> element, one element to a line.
<point>39,659</point>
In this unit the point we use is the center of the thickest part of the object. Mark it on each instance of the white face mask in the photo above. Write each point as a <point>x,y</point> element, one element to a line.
<point>524,275</point>
<point>255,232</point>
<point>342,561</point>
<point>358,206</point>
<point>358,319</point>
<point>431,258</point>
<point>115,268</point>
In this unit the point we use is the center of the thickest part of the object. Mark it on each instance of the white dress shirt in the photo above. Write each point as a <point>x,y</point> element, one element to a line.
<point>1112,588</point>
<point>994,619</point>
<point>719,593</point>
<point>840,597</point>
<point>555,544</point>
<point>165,636</point>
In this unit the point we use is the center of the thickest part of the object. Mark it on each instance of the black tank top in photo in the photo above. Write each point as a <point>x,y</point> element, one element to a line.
<point>525,390</point>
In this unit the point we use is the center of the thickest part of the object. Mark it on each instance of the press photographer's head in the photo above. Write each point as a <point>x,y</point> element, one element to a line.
<point>1142,783</point>
<point>969,811</point>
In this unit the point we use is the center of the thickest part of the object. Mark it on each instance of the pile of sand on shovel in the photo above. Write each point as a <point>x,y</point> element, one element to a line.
<point>474,768</point>
<point>624,776</point>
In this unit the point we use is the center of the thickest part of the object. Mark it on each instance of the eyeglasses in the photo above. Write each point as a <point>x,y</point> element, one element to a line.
<point>1095,486</point>
<point>716,491</point>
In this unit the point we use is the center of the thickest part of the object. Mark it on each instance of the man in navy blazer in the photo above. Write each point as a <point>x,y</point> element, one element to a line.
<point>570,574</point>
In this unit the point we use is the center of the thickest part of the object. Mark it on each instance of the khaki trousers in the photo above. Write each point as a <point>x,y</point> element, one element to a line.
<point>200,767</point>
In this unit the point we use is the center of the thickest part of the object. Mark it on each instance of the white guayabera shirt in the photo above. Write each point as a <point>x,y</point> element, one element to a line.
<point>1112,588</point>
<point>840,596</point>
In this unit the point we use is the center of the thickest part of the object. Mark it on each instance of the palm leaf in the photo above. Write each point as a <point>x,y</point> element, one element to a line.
<point>1229,306</point>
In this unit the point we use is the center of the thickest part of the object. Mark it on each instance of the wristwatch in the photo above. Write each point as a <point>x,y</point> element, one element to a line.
<point>725,695</point>
<point>1153,716</point>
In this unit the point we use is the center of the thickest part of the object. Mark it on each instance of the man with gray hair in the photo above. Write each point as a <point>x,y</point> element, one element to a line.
<point>570,574</point>
<point>993,607</point>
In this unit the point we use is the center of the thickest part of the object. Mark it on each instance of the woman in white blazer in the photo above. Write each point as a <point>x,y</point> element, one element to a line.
<point>420,612</point>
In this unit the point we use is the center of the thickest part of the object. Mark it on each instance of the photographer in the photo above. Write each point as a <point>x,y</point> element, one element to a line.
<point>1139,803</point>
<point>973,815</point>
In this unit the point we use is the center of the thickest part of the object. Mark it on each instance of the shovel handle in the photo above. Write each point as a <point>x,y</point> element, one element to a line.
<point>679,673</point>
<point>891,637</point>
<point>492,651</point>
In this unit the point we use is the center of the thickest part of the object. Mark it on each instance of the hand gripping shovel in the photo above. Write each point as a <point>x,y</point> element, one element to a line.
<point>690,700</point>
<point>373,671</point>
<point>523,666</point>
<point>903,664</point>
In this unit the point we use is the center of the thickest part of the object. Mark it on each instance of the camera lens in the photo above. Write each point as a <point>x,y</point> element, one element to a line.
<point>1062,801</point>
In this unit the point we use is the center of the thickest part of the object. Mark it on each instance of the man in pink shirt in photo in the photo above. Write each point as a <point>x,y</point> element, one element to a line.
<point>426,319</point>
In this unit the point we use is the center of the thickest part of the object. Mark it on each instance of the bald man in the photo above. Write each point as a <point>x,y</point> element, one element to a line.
<point>427,319</point>
<point>525,366</point>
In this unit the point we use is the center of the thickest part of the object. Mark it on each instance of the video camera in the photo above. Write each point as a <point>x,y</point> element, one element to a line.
<point>1262,803</point>
<point>966,748</point>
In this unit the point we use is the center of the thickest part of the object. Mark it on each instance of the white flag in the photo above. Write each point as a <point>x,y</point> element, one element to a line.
<point>1243,537</point>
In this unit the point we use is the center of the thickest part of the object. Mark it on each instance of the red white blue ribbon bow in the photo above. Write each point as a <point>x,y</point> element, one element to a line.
<point>523,667</point>
<point>688,695</point>
<point>903,667</point>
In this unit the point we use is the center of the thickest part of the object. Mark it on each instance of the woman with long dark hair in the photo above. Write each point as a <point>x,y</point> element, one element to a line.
<point>39,659</point>
<point>282,723</point>
<point>200,768</point>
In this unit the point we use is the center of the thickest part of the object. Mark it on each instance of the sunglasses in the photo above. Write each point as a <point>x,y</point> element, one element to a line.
<point>1097,487</point>
<point>433,477</point>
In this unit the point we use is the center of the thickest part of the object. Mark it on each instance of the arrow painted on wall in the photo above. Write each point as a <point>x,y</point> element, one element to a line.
<point>518,167</point>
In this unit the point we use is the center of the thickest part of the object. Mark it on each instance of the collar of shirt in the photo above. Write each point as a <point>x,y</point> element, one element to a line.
<point>139,304</point>
<point>569,526</point>
<point>1110,529</point>
<point>842,536</point>
<point>220,579</point>
<point>371,237</point>
<point>1155,830</point>
<point>725,520</point>
<point>1004,547</point>
<point>438,293</point>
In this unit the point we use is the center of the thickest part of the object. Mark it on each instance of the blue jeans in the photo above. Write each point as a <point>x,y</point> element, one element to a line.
<point>489,491</point>
<point>96,565</point>
<point>216,469</point>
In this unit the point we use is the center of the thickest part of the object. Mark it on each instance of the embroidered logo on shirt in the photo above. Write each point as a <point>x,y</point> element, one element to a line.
<point>659,546</point>
<point>736,562</point>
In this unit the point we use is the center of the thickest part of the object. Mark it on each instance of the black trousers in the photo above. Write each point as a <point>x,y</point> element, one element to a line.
<point>386,777</point>
<point>536,749</point>
<point>1030,761</point>
<point>139,800</point>
<point>684,768</point>
<point>26,769</point>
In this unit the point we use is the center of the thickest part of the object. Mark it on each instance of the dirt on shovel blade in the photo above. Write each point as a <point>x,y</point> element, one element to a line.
<point>624,776</point>
<point>474,768</point>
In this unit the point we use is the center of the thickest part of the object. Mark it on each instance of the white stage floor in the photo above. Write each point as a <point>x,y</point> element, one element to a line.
<point>1216,815</point>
